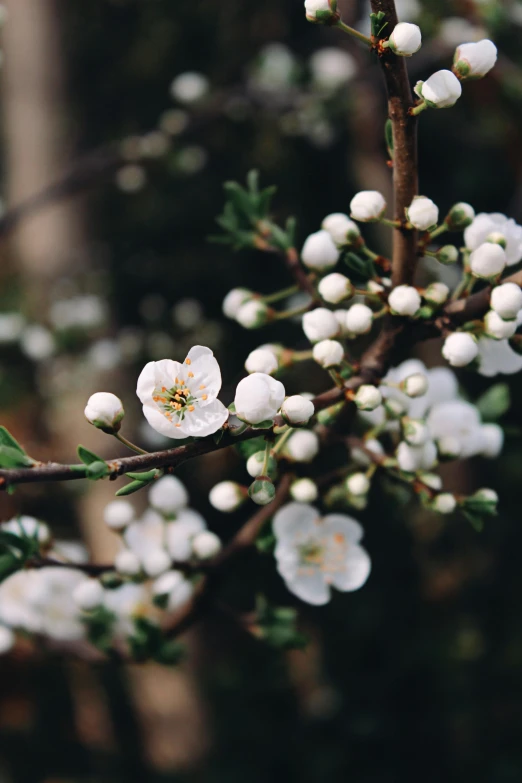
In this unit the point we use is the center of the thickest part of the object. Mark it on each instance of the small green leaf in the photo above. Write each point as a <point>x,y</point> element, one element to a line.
<point>150,475</point>
<point>494,402</point>
<point>11,457</point>
<point>87,457</point>
<point>97,470</point>
<point>129,489</point>
<point>6,439</point>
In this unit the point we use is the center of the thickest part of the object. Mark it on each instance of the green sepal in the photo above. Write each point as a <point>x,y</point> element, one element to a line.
<point>99,625</point>
<point>377,25</point>
<point>96,470</point>
<point>263,425</point>
<point>88,457</point>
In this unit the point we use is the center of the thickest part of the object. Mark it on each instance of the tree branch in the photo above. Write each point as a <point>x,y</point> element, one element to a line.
<point>475,306</point>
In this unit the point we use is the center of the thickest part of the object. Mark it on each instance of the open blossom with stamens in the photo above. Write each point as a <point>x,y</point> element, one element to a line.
<point>314,554</point>
<point>180,400</point>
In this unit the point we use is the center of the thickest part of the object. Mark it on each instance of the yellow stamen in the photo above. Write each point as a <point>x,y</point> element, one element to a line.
<point>191,375</point>
<point>202,386</point>
<point>191,408</point>
<point>204,396</point>
<point>188,361</point>
<point>177,425</point>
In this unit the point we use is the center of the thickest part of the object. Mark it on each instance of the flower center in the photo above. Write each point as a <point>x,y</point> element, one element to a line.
<point>176,400</point>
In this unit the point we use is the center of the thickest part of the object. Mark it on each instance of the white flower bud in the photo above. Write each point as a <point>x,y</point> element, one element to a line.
<point>358,484</point>
<point>460,348</point>
<point>367,206</point>
<point>448,254</point>
<point>226,496</point>
<point>374,287</point>
<point>189,87</point>
<point>497,238</point>
<point>320,10</point>
<point>496,327</point>
<point>105,411</point>
<point>404,300</point>
<point>445,503</point>
<point>414,458</point>
<point>368,397</point>
<point>155,562</point>
<point>394,409</point>
<point>320,324</point>
<point>206,545</point>
<point>506,300</point>
<point>234,299</point>
<point>486,495</point>
<point>406,39</point>
<point>492,437</point>
<point>304,490</point>
<point>166,583</point>
<point>335,287</point>
<point>342,230</point>
<point>361,457</point>
<point>88,595</point>
<point>302,446</point>
<point>171,590</point>
<point>474,60</point>
<point>297,410</point>
<point>255,464</point>
<point>168,495</point>
<point>328,353</point>
<point>262,491</point>
<point>441,90</point>
<point>423,213</point>
<point>253,314</point>
<point>460,216</point>
<point>416,432</point>
<point>258,398</point>
<point>261,360</point>
<point>359,319</point>
<point>7,639</point>
<point>127,563</point>
<point>436,293</point>
<point>415,385</point>
<point>118,514</point>
<point>431,480</point>
<point>319,252</point>
<point>488,260</point>
<point>449,447</point>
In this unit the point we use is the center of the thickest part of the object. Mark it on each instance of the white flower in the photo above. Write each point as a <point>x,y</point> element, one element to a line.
<point>416,433</point>
<point>492,440</point>
<point>342,230</point>
<point>441,382</point>
<point>206,545</point>
<point>459,349</point>
<point>328,353</point>
<point>414,458</point>
<point>7,639</point>
<point>406,39</point>
<point>118,514</point>
<point>358,484</point>
<point>460,421</point>
<point>105,411</point>
<point>54,603</point>
<point>304,490</point>
<point>255,463</point>
<point>28,526</point>
<point>302,446</point>
<point>258,398</point>
<point>226,496</point>
<point>506,300</point>
<point>127,603</point>
<point>415,385</point>
<point>444,503</point>
<point>253,314</point>
<point>234,299</point>
<point>423,213</point>
<point>16,607</point>
<point>448,254</point>
<point>368,397</point>
<point>179,534</point>
<point>319,251</point>
<point>320,324</point>
<point>37,343</point>
<point>359,319</point>
<point>127,563</point>
<point>168,495</point>
<point>312,7</point>
<point>175,588</point>
<point>297,410</point>
<point>497,356</point>
<point>367,206</point>
<point>180,400</point>
<point>261,360</point>
<point>189,87</point>
<point>474,60</point>
<point>331,68</point>
<point>497,328</point>
<point>146,534</point>
<point>155,562</point>
<point>88,595</point>
<point>495,223</point>
<point>441,90</point>
<point>314,554</point>
<point>488,260</point>
<point>436,293</point>
<point>461,215</point>
<point>404,300</point>
<point>335,287</point>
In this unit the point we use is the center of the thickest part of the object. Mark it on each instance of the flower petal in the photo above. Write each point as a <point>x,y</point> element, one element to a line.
<point>294,519</point>
<point>342,525</point>
<point>310,587</point>
<point>160,423</point>
<point>203,421</point>
<point>155,375</point>
<point>357,567</point>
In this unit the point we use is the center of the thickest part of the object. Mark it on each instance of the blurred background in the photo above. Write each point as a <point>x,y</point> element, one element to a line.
<point>112,171</point>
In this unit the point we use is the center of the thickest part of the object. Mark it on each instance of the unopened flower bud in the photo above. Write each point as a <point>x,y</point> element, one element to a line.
<point>319,252</point>
<point>127,563</point>
<point>440,91</point>
<point>414,458</point>
<point>448,254</point>
<point>394,409</point>
<point>492,436</point>
<point>227,496</point>
<point>415,432</point>
<point>320,324</point>
<point>253,314</point>
<point>460,216</point>
<point>496,327</point>
<point>474,60</point>
<point>255,464</point>
<point>431,480</point>
<point>155,562</point>
<point>88,595</point>
<point>449,447</point>
<point>118,514</point>
<point>304,490</point>
<point>320,11</point>
<point>262,491</point>
<point>404,300</point>
<point>105,411</point>
<point>302,446</point>
<point>297,410</point>
<point>488,260</point>
<point>358,484</point>
<point>423,213</point>
<point>206,545</point>
<point>415,385</point>
<point>342,230</point>
<point>258,398</point>
<point>234,299</point>
<point>506,300</point>
<point>367,206</point>
<point>444,503</point>
<point>436,293</point>
<point>359,319</point>
<point>406,39</point>
<point>497,238</point>
<point>168,495</point>
<point>368,397</point>
<point>328,353</point>
<point>459,349</point>
<point>261,360</point>
<point>335,287</point>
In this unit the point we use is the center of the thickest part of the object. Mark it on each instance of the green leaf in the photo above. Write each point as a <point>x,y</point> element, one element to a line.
<point>170,653</point>
<point>88,457</point>
<point>494,402</point>
<point>9,564</point>
<point>11,457</point>
<point>477,520</point>
<point>97,470</point>
<point>6,439</point>
<point>249,447</point>
<point>150,475</point>
<point>129,489</point>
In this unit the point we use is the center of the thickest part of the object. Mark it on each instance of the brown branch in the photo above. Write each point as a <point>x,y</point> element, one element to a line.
<point>475,306</point>
<point>300,276</point>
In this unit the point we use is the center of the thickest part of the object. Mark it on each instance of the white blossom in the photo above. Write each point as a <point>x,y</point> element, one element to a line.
<point>423,213</point>
<point>258,398</point>
<point>368,397</point>
<point>415,385</point>
<point>342,230</point>
<point>11,327</point>
<point>461,215</point>
<point>312,7</point>
<point>88,595</point>
<point>105,411</point>
<point>255,462</point>
<point>29,527</point>
<point>474,60</point>
<point>253,314</point>
<point>234,299</point>
<point>168,495</point>
<point>404,300</point>
<point>436,293</point>
<point>262,491</point>
<point>406,39</point>
<point>358,484</point>
<point>180,400</point>
<point>319,251</point>
<point>488,260</point>
<point>495,223</point>
<point>445,503</point>
<point>206,545</point>
<point>302,446</point>
<point>459,420</point>
<point>127,603</point>
<point>118,514</point>
<point>54,603</point>
<point>359,319</point>
<point>297,410</point>
<point>497,357</point>
<point>37,343</point>
<point>441,90</point>
<point>359,456</point>
<point>189,87</point>
<point>367,206</point>
<point>261,360</point>
<point>328,353</point>
<point>492,440</point>
<point>155,562</point>
<point>180,533</point>
<point>175,588</point>
<point>335,287</point>
<point>506,300</point>
<point>414,458</point>
<point>415,431</point>
<point>460,348</point>
<point>320,324</point>
<point>226,496</point>
<point>17,608</point>
<point>496,327</point>
<point>304,490</point>
<point>314,554</point>
<point>127,563</point>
